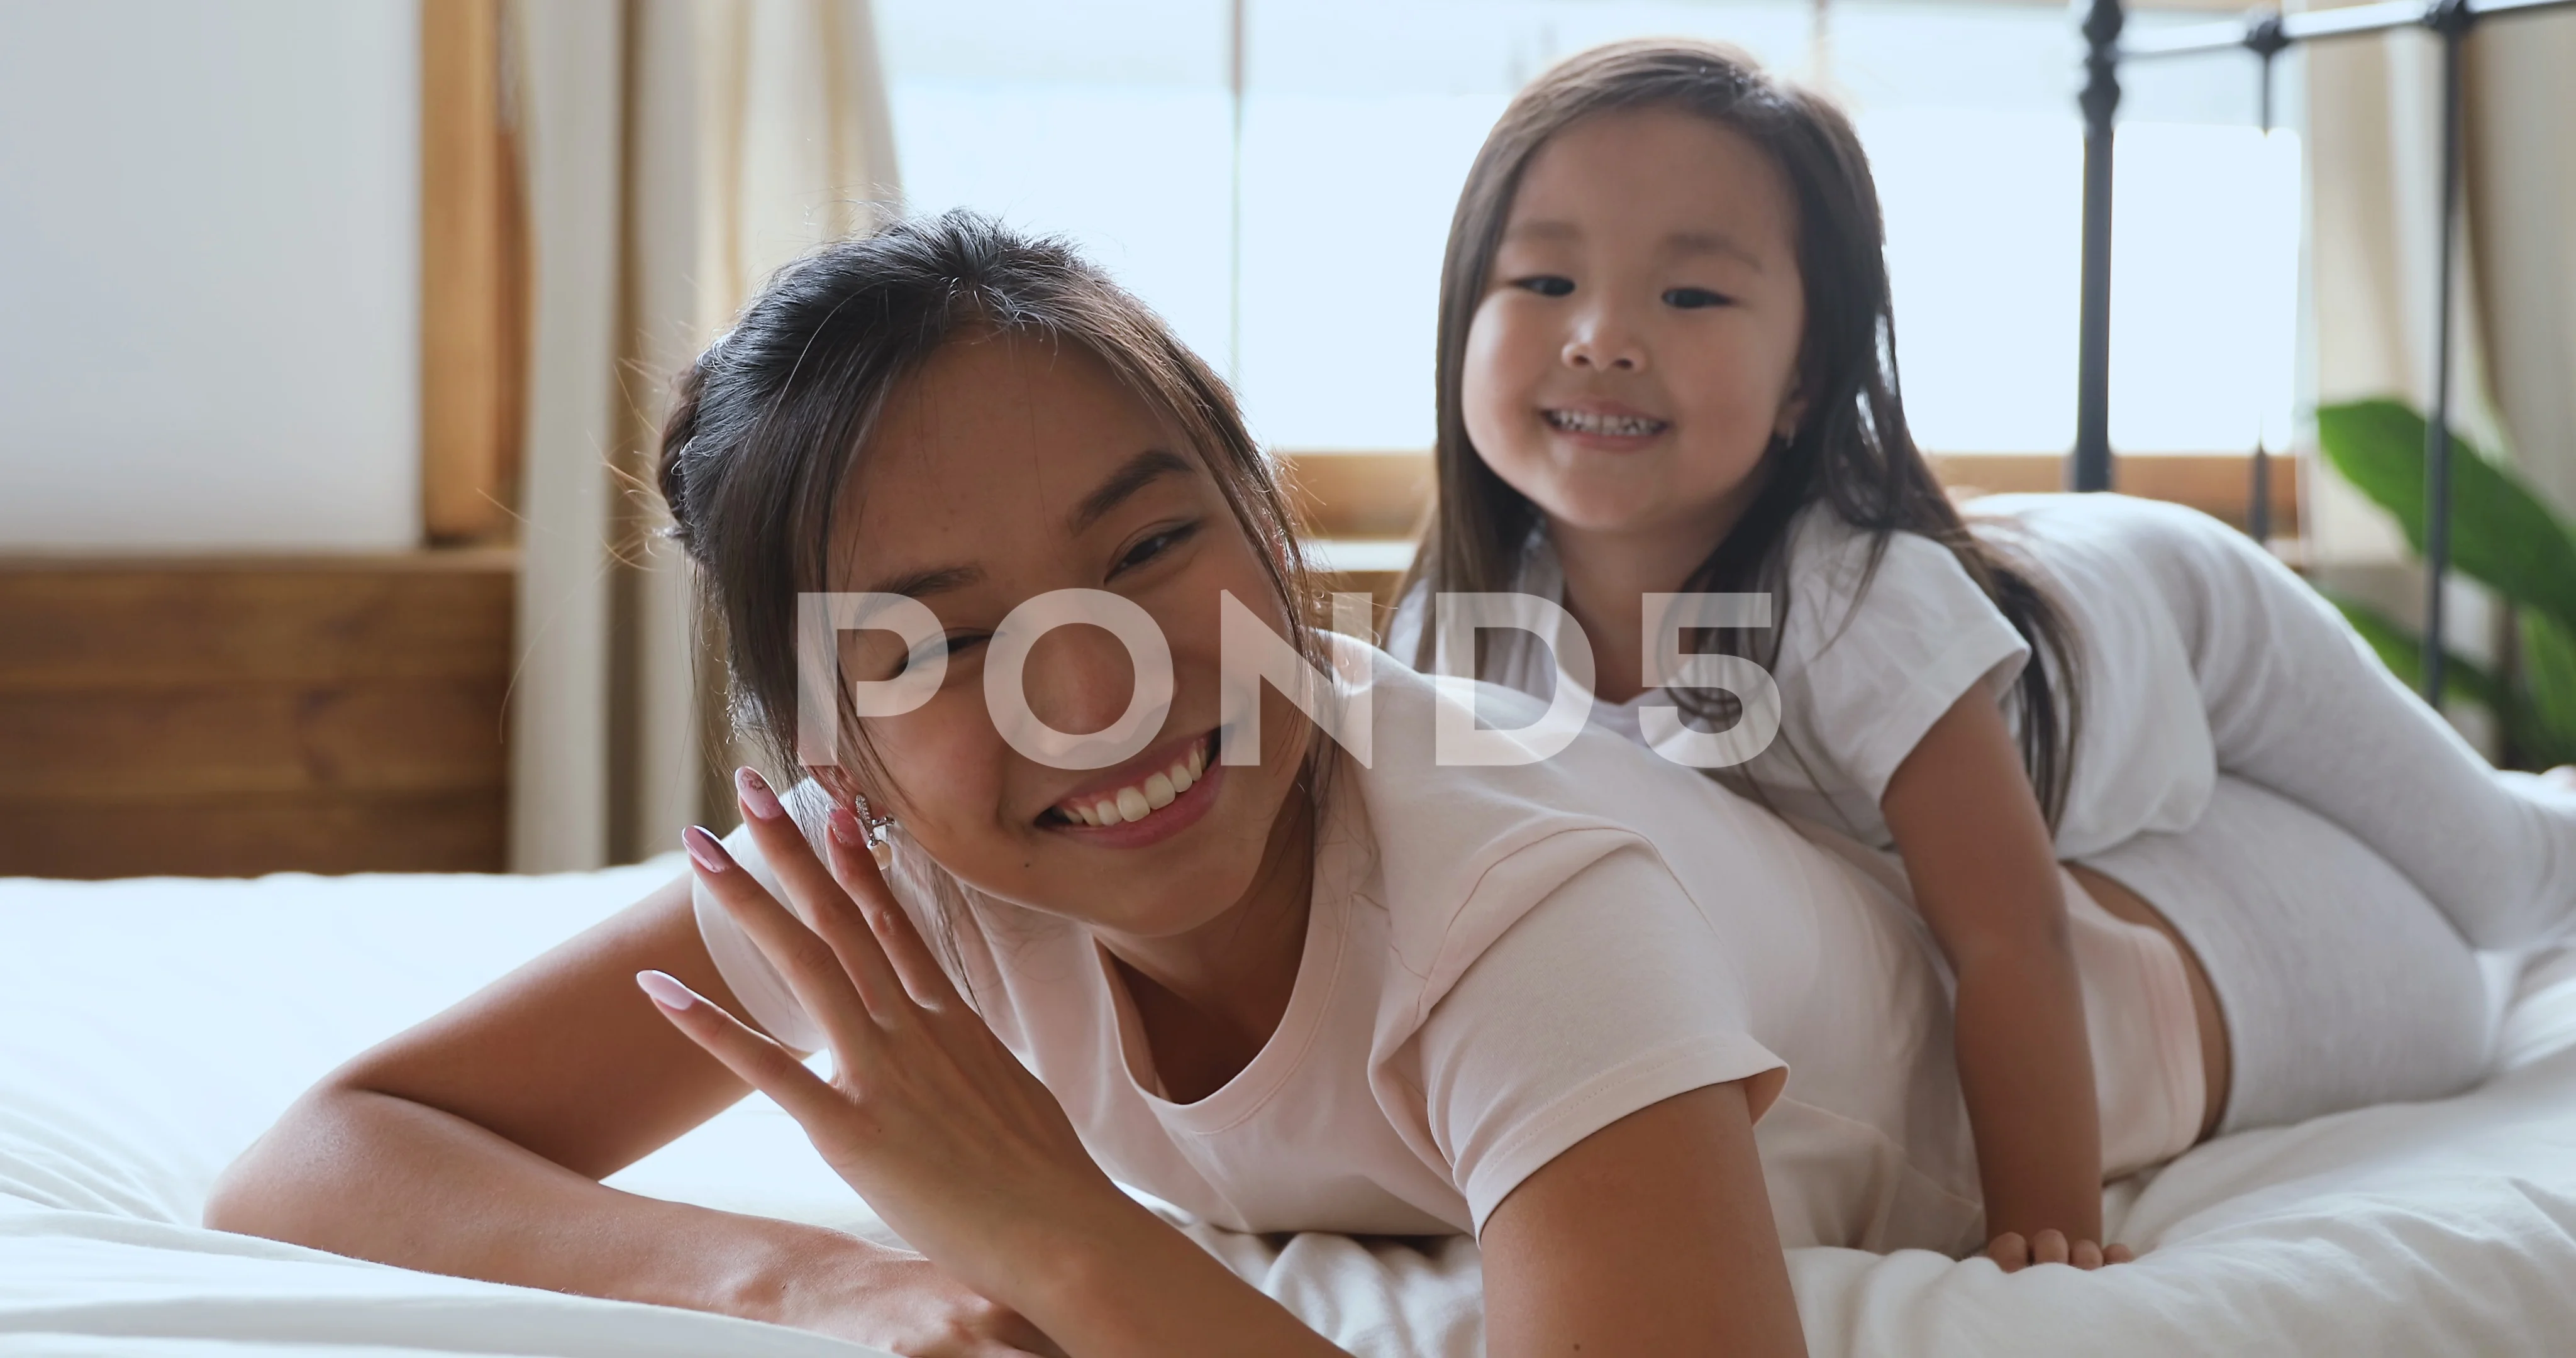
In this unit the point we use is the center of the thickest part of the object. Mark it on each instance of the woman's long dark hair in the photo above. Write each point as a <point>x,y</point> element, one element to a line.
<point>768,424</point>
<point>1851,449</point>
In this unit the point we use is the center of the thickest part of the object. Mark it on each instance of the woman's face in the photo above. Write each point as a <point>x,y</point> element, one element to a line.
<point>1008,468</point>
<point>1637,347</point>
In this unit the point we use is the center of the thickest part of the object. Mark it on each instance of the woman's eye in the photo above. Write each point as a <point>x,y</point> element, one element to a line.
<point>1545,285</point>
<point>1689,299</point>
<point>1154,545</point>
<point>930,651</point>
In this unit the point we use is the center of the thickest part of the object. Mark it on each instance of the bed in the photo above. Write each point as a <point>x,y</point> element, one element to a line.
<point>133,1066</point>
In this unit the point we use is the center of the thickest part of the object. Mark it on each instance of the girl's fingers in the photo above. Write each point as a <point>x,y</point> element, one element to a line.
<point>757,1061</point>
<point>2048,1247</point>
<point>2009,1250</point>
<point>2086,1255</point>
<point>2118,1254</point>
<point>809,966</point>
<point>892,936</point>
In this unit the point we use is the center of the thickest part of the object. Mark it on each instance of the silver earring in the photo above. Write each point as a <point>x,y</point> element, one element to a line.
<point>880,830</point>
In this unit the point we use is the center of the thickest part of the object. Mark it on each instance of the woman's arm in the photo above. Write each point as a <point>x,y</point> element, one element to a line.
<point>1613,1244</point>
<point>1652,1235</point>
<point>472,1144</point>
<point>1984,871</point>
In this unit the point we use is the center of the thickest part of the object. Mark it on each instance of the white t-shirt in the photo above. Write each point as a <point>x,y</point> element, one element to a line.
<point>1498,963</point>
<point>1864,672</point>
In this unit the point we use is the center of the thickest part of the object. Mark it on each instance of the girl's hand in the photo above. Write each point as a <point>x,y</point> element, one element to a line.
<point>2052,1247</point>
<point>944,1133</point>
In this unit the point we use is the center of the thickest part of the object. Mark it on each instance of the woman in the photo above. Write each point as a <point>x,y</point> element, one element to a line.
<point>1259,975</point>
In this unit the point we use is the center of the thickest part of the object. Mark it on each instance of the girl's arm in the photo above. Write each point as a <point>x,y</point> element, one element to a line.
<point>1978,853</point>
<point>472,1146</point>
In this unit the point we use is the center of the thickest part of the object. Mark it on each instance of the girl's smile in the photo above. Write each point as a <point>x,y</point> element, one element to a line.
<point>1605,426</point>
<point>1645,303</point>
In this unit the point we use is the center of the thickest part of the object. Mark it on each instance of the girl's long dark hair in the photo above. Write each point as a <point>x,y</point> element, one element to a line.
<point>1852,448</point>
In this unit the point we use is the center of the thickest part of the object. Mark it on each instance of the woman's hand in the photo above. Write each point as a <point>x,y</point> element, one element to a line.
<point>944,1133</point>
<point>2052,1247</point>
<point>901,1302</point>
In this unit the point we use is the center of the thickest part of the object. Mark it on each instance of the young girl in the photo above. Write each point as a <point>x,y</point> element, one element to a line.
<point>1667,364</point>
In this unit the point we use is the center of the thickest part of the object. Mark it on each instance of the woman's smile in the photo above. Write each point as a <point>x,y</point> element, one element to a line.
<point>1144,801</point>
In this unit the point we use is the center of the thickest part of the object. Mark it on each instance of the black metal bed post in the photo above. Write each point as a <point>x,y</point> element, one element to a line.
<point>2450,20</point>
<point>2091,468</point>
<point>2266,41</point>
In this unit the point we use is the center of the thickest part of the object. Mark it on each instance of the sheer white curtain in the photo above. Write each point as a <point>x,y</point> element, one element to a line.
<point>2374,183</point>
<point>677,151</point>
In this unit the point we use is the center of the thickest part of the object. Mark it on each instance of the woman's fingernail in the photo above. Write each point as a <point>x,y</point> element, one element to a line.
<point>756,796</point>
<point>846,828</point>
<point>666,992</point>
<point>705,851</point>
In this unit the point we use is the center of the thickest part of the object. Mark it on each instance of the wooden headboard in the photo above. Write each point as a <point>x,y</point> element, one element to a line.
<point>234,716</point>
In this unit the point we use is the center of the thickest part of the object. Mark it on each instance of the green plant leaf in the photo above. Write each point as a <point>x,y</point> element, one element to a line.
<point>2501,534</point>
<point>2549,679</point>
<point>2532,736</point>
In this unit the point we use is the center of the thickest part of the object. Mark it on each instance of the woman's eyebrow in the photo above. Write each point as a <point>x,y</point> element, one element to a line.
<point>915,584</point>
<point>1134,475</point>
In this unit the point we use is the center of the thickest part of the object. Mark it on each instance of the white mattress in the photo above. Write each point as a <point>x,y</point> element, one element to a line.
<point>149,1029</point>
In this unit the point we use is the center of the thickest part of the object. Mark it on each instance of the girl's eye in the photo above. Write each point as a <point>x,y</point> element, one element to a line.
<point>1691,299</point>
<point>1545,285</point>
<point>1154,545</point>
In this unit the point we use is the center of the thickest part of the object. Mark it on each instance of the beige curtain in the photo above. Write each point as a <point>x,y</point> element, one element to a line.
<point>2374,157</point>
<point>2522,131</point>
<point>677,151</point>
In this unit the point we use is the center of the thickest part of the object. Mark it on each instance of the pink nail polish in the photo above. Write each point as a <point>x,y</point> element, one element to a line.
<point>705,851</point>
<point>846,828</point>
<point>666,991</point>
<point>756,796</point>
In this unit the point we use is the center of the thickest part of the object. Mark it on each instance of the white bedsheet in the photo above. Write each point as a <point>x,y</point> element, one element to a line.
<point>149,1029</point>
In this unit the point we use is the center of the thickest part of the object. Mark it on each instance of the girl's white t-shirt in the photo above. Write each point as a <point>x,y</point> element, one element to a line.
<point>1868,661</point>
<point>1500,961</point>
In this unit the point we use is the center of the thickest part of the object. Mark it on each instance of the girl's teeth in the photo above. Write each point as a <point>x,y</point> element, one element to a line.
<point>1106,813</point>
<point>1132,804</point>
<point>1586,422</point>
<point>1159,792</point>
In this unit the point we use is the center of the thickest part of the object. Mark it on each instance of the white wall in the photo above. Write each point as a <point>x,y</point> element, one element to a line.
<point>209,274</point>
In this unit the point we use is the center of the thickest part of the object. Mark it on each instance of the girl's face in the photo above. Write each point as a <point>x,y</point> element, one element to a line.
<point>1636,350</point>
<point>1005,469</point>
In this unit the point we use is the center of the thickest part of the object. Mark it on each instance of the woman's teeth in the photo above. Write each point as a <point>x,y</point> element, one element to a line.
<point>1593,422</point>
<point>1139,800</point>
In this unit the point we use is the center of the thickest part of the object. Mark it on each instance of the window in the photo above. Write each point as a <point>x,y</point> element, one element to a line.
<point>1302,256</point>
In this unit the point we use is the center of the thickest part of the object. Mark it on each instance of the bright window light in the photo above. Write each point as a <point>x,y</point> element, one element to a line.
<point>1113,123</point>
